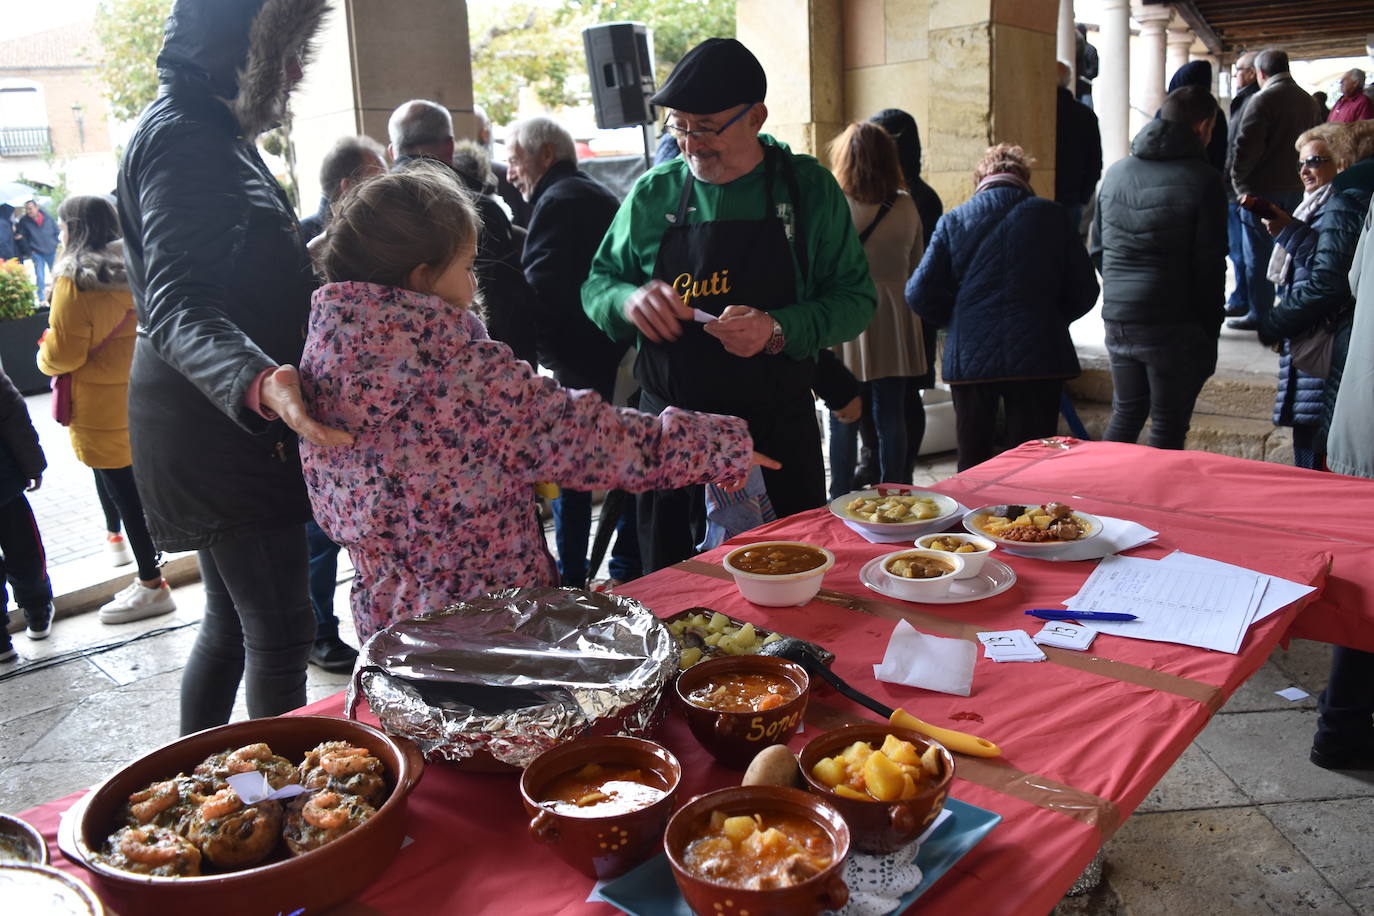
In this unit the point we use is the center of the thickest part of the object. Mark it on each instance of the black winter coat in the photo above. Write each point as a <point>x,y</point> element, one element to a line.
<point>36,239</point>
<point>1324,294</point>
<point>222,285</point>
<point>21,457</point>
<point>1078,151</point>
<point>572,211</point>
<point>1007,274</point>
<point>1159,233</point>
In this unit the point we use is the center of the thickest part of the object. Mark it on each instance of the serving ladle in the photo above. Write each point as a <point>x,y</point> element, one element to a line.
<point>804,654</point>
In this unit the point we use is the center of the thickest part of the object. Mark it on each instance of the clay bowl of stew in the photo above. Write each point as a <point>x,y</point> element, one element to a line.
<point>314,881</point>
<point>738,705</point>
<point>881,826</point>
<point>788,862</point>
<point>601,803</point>
<point>20,842</point>
<point>779,573</point>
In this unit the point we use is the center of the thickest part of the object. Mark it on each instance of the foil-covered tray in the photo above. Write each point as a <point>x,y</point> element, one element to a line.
<point>509,675</point>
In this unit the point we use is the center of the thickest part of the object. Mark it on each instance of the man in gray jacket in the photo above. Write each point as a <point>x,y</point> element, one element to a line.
<point>1262,165</point>
<point>1159,240</point>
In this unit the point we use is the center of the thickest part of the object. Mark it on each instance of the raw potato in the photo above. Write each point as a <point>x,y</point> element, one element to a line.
<point>772,766</point>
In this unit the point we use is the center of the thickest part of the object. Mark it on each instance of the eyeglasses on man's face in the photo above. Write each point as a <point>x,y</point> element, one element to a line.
<point>1313,162</point>
<point>703,133</point>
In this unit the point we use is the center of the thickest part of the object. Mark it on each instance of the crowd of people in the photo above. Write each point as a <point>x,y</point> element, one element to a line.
<point>367,377</point>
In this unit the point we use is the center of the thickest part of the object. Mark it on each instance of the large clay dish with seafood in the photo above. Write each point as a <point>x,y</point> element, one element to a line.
<point>313,881</point>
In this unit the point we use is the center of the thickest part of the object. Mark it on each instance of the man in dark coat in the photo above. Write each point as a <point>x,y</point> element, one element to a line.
<point>570,213</point>
<point>37,234</point>
<point>1199,73</point>
<point>349,161</point>
<point>222,285</point>
<point>1159,240</point>
<point>1077,150</point>
<point>1262,166</point>
<point>1244,73</point>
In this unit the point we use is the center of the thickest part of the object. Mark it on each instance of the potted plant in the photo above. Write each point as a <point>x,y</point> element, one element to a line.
<point>21,324</point>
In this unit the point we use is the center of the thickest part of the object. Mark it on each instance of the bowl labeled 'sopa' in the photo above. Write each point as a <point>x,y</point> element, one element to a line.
<point>747,717</point>
<point>779,573</point>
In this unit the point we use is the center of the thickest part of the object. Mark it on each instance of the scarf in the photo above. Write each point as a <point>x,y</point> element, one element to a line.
<point>1281,262</point>
<point>1003,179</point>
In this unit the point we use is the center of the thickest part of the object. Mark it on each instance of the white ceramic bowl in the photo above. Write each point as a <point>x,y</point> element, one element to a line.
<point>946,508</point>
<point>1092,523</point>
<point>973,559</point>
<point>922,589</point>
<point>779,590</point>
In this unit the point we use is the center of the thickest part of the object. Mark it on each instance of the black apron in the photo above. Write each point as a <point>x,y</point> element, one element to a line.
<point>713,265</point>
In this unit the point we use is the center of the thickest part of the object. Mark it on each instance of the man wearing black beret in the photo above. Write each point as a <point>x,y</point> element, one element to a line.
<point>734,264</point>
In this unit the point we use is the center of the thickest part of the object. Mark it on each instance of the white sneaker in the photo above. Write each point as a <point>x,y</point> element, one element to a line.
<point>137,602</point>
<point>118,550</point>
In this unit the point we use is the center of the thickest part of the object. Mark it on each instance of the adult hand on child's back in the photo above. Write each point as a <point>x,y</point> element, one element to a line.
<point>281,392</point>
<point>657,311</point>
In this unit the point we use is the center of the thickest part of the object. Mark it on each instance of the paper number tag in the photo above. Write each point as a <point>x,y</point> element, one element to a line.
<point>1066,635</point>
<point>1010,646</point>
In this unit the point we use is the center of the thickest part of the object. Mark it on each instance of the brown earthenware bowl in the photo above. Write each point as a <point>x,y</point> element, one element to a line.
<point>823,891</point>
<point>880,827</point>
<point>601,847</point>
<point>21,842</point>
<point>314,881</point>
<point>734,738</point>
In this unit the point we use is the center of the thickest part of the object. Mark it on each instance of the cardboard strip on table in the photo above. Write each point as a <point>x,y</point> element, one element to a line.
<point>996,774</point>
<point>1206,695</point>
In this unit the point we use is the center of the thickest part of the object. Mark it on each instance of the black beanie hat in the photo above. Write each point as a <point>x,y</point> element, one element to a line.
<point>717,74</point>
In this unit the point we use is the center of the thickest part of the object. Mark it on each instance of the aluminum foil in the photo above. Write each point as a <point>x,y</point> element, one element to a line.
<point>516,672</point>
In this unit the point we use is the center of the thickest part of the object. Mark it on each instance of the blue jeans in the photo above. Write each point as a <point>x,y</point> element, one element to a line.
<point>1158,370</point>
<point>888,396</point>
<point>42,263</point>
<point>324,574</point>
<point>1235,240</point>
<point>1258,246</point>
<point>257,628</point>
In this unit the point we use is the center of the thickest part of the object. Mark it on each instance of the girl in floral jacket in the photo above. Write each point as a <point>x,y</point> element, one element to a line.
<point>434,498</point>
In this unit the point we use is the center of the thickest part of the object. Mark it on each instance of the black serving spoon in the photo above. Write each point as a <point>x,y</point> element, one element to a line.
<point>804,654</point>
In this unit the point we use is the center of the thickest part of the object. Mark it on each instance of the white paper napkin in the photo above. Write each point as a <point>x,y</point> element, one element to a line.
<point>1117,535</point>
<point>883,537</point>
<point>1010,646</point>
<point>931,662</point>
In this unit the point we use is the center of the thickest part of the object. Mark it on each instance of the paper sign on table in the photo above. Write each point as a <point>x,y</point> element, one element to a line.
<point>932,662</point>
<point>1278,593</point>
<point>1066,635</point>
<point>1010,646</point>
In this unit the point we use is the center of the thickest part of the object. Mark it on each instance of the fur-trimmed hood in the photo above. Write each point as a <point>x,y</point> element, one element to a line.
<point>239,49</point>
<point>96,270</point>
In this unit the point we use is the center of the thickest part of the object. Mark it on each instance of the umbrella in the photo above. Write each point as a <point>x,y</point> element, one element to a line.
<point>15,193</point>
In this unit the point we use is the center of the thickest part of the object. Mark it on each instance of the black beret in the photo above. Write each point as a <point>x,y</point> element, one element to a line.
<point>717,74</point>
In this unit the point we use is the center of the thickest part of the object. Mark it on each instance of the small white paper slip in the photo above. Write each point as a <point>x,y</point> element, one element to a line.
<point>917,659</point>
<point>1066,635</point>
<point>1010,646</point>
<point>1293,694</point>
<point>253,787</point>
<point>703,317</point>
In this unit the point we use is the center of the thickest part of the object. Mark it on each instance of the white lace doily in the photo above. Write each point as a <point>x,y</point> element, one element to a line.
<point>877,883</point>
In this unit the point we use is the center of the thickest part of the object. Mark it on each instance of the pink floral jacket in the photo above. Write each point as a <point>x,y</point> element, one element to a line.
<point>434,499</point>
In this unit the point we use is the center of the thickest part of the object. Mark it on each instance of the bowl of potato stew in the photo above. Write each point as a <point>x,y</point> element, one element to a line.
<point>889,783</point>
<point>779,573</point>
<point>767,850</point>
<point>737,706</point>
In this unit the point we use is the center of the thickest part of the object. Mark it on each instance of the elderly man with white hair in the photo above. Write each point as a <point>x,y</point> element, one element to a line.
<point>1353,105</point>
<point>570,213</point>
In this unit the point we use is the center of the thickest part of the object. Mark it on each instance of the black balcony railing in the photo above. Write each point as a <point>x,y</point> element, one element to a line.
<point>25,141</point>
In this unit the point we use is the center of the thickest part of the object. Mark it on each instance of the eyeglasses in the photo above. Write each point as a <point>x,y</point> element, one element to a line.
<point>683,133</point>
<point>1312,162</point>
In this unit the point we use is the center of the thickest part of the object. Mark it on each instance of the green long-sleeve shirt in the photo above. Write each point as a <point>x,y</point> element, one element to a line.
<point>837,299</point>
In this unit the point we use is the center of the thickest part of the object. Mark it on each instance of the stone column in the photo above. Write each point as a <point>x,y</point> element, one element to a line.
<point>371,56</point>
<point>1066,41</point>
<point>799,43</point>
<point>1152,21</point>
<point>1111,89</point>
<point>1179,43</point>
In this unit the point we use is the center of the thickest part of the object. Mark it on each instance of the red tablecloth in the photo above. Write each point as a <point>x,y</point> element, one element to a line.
<point>1085,735</point>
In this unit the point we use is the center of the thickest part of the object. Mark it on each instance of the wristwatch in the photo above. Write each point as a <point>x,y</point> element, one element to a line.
<point>776,341</point>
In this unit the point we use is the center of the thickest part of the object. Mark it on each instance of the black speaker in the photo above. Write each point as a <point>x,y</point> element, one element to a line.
<point>621,68</point>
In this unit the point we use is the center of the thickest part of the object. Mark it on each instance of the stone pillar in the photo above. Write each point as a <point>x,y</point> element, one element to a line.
<point>1111,89</point>
<point>800,44</point>
<point>1179,43</point>
<point>371,56</point>
<point>1066,41</point>
<point>1152,21</point>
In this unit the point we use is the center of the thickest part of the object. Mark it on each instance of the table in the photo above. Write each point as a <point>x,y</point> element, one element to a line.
<point>1085,735</point>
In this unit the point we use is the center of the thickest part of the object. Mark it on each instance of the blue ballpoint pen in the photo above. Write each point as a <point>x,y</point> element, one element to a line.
<point>1050,614</point>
